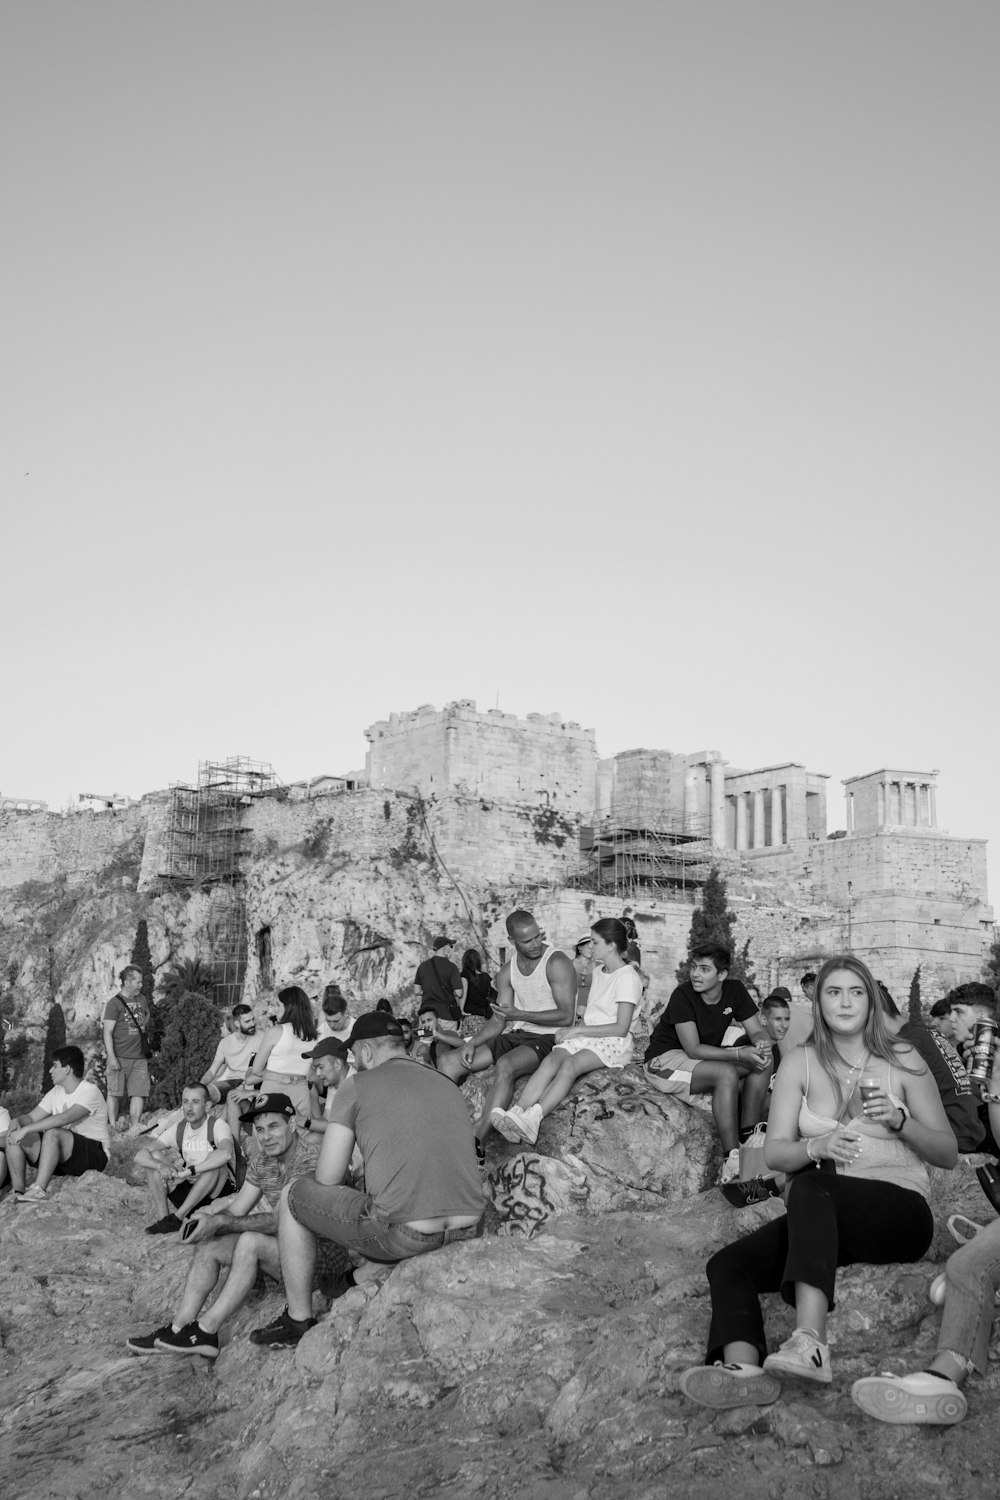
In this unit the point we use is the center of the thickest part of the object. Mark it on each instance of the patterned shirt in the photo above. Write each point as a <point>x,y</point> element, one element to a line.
<point>273,1173</point>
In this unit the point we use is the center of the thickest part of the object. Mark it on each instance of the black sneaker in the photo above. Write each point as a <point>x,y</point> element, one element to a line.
<point>480,1153</point>
<point>146,1343</point>
<point>283,1333</point>
<point>191,1340</point>
<point>754,1190</point>
<point>169,1224</point>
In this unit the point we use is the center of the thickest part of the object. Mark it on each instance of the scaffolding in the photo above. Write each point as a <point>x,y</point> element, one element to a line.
<point>630,858</point>
<point>208,843</point>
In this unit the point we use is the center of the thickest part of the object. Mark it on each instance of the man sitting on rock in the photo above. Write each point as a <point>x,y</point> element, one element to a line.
<point>946,1068</point>
<point>422,1187</point>
<point>206,1150</point>
<point>331,1066</point>
<point>536,996</point>
<point>65,1135</point>
<point>233,1055</point>
<point>694,1048</point>
<point>229,1237</point>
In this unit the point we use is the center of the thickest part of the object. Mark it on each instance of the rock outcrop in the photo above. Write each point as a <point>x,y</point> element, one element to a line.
<point>542,1365</point>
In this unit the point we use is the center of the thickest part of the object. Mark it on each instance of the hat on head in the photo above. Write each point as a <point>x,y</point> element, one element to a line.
<point>780,993</point>
<point>268,1104</point>
<point>442,942</point>
<point>374,1023</point>
<point>329,1046</point>
<point>585,937</point>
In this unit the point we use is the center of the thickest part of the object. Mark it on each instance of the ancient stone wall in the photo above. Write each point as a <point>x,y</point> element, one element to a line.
<point>39,845</point>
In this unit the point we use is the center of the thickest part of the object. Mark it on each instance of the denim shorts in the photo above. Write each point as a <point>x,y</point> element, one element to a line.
<point>349,1218</point>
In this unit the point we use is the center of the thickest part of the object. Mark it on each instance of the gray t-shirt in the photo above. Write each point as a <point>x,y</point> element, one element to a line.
<point>415,1136</point>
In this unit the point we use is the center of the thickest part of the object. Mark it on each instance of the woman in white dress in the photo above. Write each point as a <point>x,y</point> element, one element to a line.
<point>602,1040</point>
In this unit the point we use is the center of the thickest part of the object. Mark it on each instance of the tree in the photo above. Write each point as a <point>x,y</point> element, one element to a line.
<point>190,1038</point>
<point>712,922</point>
<point>142,959</point>
<point>189,976</point>
<point>913,1008</point>
<point>55,1037</point>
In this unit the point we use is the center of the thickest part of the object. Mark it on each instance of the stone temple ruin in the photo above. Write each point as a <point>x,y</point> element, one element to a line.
<point>495,810</point>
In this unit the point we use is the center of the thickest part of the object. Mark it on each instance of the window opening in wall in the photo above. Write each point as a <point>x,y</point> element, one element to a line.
<point>264,962</point>
<point>503,954</point>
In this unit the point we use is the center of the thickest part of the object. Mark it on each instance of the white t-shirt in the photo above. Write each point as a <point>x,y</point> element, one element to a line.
<point>608,991</point>
<point>237,1052</point>
<point>4,1120</point>
<point>94,1125</point>
<point>195,1145</point>
<point>324,1029</point>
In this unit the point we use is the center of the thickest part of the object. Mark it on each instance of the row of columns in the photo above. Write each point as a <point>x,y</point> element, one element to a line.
<point>751,825</point>
<point>897,808</point>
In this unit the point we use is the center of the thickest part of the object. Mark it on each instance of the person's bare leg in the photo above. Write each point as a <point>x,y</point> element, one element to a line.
<point>754,1095</point>
<point>512,1066</point>
<point>254,1252</point>
<point>722,1081</point>
<point>57,1146</point>
<point>135,1109</point>
<point>113,1102</point>
<point>157,1191</point>
<point>811,1308</point>
<point>740,1354</point>
<point>297,1249</point>
<point>208,1261</point>
<point>20,1156</point>
<point>542,1078</point>
<point>201,1188</point>
<point>569,1071</point>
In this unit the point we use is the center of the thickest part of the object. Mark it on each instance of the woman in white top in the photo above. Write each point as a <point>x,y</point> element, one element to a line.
<point>602,1040</point>
<point>855,1116</point>
<point>279,1066</point>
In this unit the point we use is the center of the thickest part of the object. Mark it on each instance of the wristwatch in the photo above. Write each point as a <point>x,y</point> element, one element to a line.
<point>905,1115</point>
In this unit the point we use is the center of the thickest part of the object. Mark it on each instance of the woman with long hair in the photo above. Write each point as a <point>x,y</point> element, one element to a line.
<point>477,991</point>
<point>854,1117</point>
<point>279,1066</point>
<point>602,1040</point>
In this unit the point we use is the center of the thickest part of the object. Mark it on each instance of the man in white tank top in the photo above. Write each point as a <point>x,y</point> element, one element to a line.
<point>536,995</point>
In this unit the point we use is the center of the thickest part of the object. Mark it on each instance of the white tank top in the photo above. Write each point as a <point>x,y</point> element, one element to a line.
<point>286,1054</point>
<point>531,991</point>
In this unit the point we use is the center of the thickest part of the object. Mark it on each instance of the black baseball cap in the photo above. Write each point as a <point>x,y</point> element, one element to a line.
<point>329,1046</point>
<point>372,1024</point>
<point>268,1104</point>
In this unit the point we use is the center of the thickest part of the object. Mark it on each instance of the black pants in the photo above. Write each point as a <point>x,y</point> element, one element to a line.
<point>831,1221</point>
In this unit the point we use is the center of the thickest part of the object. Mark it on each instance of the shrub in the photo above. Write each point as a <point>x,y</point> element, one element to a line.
<point>190,1038</point>
<point>55,1037</point>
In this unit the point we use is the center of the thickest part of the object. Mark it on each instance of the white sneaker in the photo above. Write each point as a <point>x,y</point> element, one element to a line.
<point>726,1386</point>
<point>730,1167</point>
<point>919,1398</point>
<point>506,1122</point>
<point>802,1357</point>
<point>530,1120</point>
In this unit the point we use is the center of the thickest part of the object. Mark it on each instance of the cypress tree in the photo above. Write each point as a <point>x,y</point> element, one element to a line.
<point>914,1004</point>
<point>190,1038</point>
<point>55,1037</point>
<point>712,922</point>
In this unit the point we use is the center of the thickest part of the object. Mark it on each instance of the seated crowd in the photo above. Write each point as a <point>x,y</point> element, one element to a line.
<point>303,1149</point>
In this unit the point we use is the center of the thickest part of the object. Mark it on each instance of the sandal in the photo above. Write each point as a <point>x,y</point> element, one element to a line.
<point>962,1229</point>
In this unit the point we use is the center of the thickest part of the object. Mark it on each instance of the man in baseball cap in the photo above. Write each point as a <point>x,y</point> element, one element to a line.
<point>422,1184</point>
<point>331,1065</point>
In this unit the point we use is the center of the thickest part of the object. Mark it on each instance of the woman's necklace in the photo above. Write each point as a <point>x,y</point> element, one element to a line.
<point>852,1068</point>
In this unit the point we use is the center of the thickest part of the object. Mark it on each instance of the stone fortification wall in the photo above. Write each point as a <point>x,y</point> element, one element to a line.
<point>537,760</point>
<point>644,787</point>
<point>40,845</point>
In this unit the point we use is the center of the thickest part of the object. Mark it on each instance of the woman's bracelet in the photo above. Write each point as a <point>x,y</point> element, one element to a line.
<point>809,1151</point>
<point>989,1098</point>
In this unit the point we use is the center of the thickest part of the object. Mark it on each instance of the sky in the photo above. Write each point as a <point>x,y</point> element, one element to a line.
<point>633,360</point>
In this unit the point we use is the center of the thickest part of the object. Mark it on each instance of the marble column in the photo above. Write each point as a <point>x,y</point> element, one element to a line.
<point>758,819</point>
<point>718,804</point>
<point>741,820</point>
<point>932,792</point>
<point>777,821</point>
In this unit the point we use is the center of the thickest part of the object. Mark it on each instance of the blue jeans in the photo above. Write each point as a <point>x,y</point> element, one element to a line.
<point>972,1276</point>
<point>348,1218</point>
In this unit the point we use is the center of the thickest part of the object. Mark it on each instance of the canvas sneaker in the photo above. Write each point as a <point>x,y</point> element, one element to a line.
<point>146,1343</point>
<point>530,1121</point>
<point>919,1398</point>
<point>730,1167</point>
<point>283,1333</point>
<point>507,1122</point>
<point>802,1357</point>
<point>34,1194</point>
<point>190,1340</point>
<point>723,1387</point>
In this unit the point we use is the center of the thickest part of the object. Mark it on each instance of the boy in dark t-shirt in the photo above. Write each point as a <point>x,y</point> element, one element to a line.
<point>694,1048</point>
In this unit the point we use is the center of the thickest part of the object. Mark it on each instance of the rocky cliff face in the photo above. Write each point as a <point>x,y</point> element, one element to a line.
<point>544,1366</point>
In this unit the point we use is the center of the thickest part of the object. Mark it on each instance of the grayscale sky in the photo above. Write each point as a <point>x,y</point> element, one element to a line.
<point>635,360</point>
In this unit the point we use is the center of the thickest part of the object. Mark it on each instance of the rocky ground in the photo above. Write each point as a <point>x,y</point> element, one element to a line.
<point>539,1363</point>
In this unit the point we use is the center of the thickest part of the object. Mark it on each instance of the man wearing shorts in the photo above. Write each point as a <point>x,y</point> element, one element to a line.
<point>229,1237</point>
<point>128,1070</point>
<point>65,1135</point>
<point>422,1187</point>
<point>207,1158</point>
<point>233,1056</point>
<point>536,995</point>
<point>694,1048</point>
